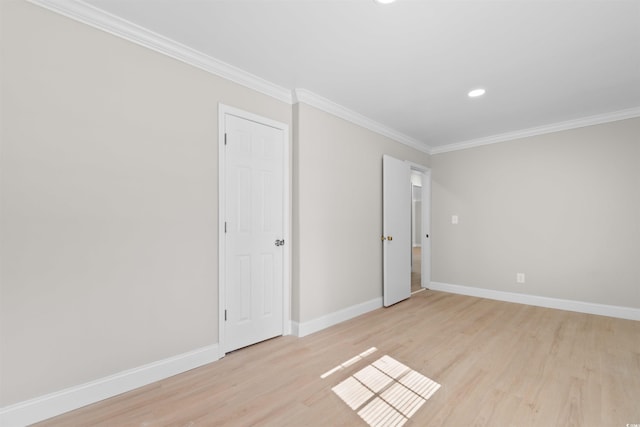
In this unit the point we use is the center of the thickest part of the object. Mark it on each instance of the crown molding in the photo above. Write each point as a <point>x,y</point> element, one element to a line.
<point>541,130</point>
<point>83,12</point>
<point>80,11</point>
<point>307,97</point>
<point>97,18</point>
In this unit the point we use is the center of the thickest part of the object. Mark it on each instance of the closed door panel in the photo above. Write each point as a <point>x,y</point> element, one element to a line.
<point>254,230</point>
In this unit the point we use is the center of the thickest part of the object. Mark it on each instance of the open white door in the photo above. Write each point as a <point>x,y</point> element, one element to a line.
<point>396,230</point>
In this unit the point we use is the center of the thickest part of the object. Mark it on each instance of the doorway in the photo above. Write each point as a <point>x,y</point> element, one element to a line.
<point>398,234</point>
<point>420,227</point>
<point>416,232</point>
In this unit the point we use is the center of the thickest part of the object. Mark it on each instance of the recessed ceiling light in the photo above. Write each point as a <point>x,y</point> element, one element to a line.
<point>476,93</point>
<point>384,1</point>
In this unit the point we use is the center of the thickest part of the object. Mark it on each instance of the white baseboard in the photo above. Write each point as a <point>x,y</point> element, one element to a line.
<point>561,304</point>
<point>315,325</point>
<point>50,405</point>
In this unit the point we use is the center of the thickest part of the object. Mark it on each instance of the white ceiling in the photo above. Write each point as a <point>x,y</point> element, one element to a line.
<point>409,65</point>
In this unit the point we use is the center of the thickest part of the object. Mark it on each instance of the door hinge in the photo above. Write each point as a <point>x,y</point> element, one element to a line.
<point>225,139</point>
<point>225,226</point>
<point>225,315</point>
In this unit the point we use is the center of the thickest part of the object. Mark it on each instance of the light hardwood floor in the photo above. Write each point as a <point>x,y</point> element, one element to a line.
<point>499,364</point>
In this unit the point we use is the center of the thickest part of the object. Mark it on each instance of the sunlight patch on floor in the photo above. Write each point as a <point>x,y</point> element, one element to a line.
<point>386,393</point>
<point>349,362</point>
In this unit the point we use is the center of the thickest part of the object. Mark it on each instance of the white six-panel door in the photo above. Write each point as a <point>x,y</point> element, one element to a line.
<point>254,237</point>
<point>396,230</point>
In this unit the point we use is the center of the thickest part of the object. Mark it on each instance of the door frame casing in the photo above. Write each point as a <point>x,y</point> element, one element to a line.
<point>425,278</point>
<point>223,110</point>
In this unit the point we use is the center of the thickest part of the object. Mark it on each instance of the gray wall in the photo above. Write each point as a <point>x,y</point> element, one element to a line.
<point>338,211</point>
<point>108,226</point>
<point>563,208</point>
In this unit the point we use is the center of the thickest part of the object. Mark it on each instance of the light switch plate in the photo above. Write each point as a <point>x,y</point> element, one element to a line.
<point>454,219</point>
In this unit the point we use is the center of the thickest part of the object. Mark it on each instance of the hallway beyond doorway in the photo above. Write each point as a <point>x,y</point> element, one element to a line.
<point>416,268</point>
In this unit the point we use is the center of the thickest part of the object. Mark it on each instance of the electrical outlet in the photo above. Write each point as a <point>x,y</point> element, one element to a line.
<point>519,277</point>
<point>454,219</point>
